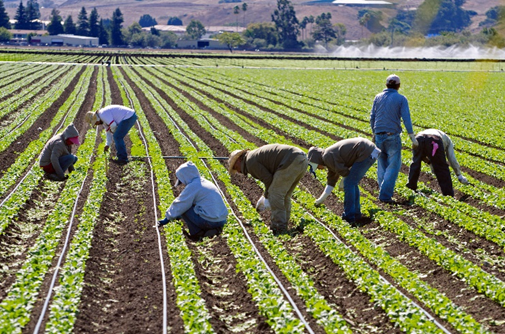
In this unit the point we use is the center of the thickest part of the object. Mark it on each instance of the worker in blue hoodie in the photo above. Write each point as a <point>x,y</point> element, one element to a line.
<point>199,205</point>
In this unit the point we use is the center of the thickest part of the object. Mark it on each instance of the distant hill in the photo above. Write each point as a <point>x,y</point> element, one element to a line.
<point>211,12</point>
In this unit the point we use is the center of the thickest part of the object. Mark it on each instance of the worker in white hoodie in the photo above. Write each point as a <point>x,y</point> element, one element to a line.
<point>200,204</point>
<point>117,121</point>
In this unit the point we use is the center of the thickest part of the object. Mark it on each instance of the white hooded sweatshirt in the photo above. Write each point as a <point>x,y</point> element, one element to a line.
<point>200,193</point>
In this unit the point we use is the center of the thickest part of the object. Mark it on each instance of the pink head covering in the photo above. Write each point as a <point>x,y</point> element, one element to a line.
<point>75,140</point>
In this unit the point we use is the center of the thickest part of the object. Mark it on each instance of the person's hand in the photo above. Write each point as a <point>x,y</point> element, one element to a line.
<point>462,179</point>
<point>262,204</point>
<point>106,148</point>
<point>163,222</point>
<point>341,184</point>
<point>415,143</point>
<point>320,200</point>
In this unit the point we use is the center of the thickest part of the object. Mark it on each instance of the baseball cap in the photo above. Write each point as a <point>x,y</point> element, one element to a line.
<point>393,79</point>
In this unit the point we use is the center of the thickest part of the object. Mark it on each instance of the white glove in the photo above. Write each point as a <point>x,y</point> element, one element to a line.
<point>327,191</point>
<point>415,143</point>
<point>341,184</point>
<point>263,204</point>
<point>462,179</point>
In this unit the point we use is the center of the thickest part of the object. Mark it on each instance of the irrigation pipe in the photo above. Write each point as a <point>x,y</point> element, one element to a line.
<point>175,157</point>
<point>429,316</point>
<point>160,247</point>
<point>63,251</point>
<point>277,280</point>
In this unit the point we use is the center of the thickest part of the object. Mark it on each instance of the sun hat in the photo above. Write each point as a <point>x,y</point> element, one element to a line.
<point>91,117</point>
<point>233,159</point>
<point>393,79</point>
<point>75,140</point>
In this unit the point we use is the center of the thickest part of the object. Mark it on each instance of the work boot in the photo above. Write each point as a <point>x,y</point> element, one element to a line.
<point>211,233</point>
<point>52,177</point>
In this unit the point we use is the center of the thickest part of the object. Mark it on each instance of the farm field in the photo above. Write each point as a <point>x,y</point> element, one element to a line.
<point>84,256</point>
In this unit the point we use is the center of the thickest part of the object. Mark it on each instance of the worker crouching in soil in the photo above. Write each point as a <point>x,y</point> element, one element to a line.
<point>56,157</point>
<point>280,168</point>
<point>349,159</point>
<point>117,121</point>
<point>434,146</point>
<point>199,205</point>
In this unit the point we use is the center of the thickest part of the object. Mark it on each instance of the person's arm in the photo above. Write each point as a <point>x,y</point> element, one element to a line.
<point>372,119</point>
<point>407,121</point>
<point>181,204</point>
<point>262,174</point>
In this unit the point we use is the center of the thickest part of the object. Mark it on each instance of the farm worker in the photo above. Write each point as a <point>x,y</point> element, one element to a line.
<point>117,121</point>
<point>434,146</point>
<point>200,204</point>
<point>388,109</point>
<point>280,168</point>
<point>349,159</point>
<point>56,157</point>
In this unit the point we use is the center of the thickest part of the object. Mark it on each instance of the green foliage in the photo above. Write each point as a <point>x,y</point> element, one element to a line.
<point>435,16</point>
<point>55,27</point>
<point>21,18</point>
<point>232,39</point>
<point>261,34</point>
<point>195,29</point>
<point>174,21</point>
<point>32,13</point>
<point>325,31</point>
<point>94,27</point>
<point>116,36</point>
<point>103,33</point>
<point>69,26</point>
<point>4,18</point>
<point>286,24</point>
<point>83,23</point>
<point>371,19</point>
<point>5,34</point>
<point>147,20</point>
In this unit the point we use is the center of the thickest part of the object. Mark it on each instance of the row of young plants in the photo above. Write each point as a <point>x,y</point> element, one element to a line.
<point>261,285</point>
<point>22,295</point>
<point>442,306</point>
<point>66,301</point>
<point>193,310</point>
<point>13,83</point>
<point>11,207</point>
<point>476,277</point>
<point>8,72</point>
<point>435,207</point>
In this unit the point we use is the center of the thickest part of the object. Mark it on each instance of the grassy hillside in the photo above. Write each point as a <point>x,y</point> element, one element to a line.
<point>211,12</point>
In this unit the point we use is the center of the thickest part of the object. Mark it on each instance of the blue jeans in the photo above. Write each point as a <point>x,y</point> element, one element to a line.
<point>66,161</point>
<point>390,161</point>
<point>122,129</point>
<point>352,206</point>
<point>197,224</point>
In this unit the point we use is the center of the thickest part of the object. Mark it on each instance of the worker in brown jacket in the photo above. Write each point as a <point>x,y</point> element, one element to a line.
<point>349,159</point>
<point>280,168</point>
<point>56,157</point>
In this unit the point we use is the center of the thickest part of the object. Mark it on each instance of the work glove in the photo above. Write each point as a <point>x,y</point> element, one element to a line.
<point>163,222</point>
<point>327,191</point>
<point>341,184</point>
<point>415,143</point>
<point>71,169</point>
<point>462,179</point>
<point>263,204</point>
<point>106,148</point>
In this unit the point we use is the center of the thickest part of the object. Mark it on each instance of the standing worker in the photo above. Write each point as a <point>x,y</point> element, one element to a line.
<point>280,168</point>
<point>434,146</point>
<point>349,159</point>
<point>200,204</point>
<point>117,121</point>
<point>389,108</point>
<point>56,157</point>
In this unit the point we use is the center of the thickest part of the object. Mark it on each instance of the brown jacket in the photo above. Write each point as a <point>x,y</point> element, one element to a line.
<point>56,147</point>
<point>339,157</point>
<point>263,162</point>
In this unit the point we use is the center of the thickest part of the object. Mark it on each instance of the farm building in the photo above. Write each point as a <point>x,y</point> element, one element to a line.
<point>69,40</point>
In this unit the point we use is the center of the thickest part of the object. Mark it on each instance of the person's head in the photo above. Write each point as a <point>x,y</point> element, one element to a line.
<point>70,135</point>
<point>315,157</point>
<point>393,81</point>
<point>235,161</point>
<point>73,141</point>
<point>92,118</point>
<point>186,173</point>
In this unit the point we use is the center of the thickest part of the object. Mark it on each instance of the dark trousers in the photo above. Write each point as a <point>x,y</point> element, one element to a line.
<point>424,152</point>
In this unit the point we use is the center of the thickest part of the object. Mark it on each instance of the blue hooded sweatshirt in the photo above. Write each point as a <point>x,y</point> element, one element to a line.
<point>200,193</point>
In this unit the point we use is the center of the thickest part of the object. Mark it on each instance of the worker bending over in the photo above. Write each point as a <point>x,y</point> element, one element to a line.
<point>280,168</point>
<point>349,159</point>
<point>200,204</point>
<point>117,121</point>
<point>434,146</point>
<point>56,157</point>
